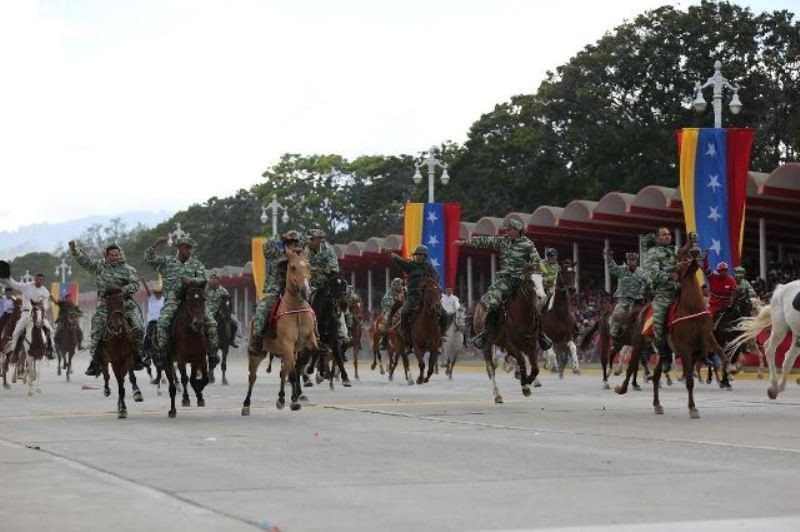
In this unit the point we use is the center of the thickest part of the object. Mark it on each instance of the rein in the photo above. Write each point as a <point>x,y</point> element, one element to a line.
<point>705,312</point>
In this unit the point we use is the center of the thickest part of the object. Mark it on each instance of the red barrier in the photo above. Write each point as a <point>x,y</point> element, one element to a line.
<point>750,359</point>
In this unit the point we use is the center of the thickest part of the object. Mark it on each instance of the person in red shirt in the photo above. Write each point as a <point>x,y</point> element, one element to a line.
<point>720,286</point>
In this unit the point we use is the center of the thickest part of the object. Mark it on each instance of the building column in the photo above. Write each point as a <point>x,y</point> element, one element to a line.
<point>606,269</point>
<point>678,238</point>
<point>236,302</point>
<point>388,281</point>
<point>246,312</point>
<point>470,297</point>
<point>353,279</point>
<point>369,290</point>
<point>762,248</point>
<point>493,266</point>
<point>575,255</point>
<point>780,253</point>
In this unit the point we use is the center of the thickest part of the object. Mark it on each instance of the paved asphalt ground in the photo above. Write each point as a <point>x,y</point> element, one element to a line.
<point>388,456</point>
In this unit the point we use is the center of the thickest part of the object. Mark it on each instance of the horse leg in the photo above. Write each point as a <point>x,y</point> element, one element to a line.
<point>6,358</point>
<point>169,369</point>
<point>269,364</point>
<point>282,391</point>
<point>106,376</point>
<point>339,360</point>
<point>656,387</point>
<point>788,364</point>
<point>195,383</point>
<point>523,373</point>
<point>294,381</point>
<point>184,384</point>
<point>224,366</point>
<point>688,361</point>
<point>421,363</point>
<point>491,370</point>
<point>633,365</point>
<point>122,409</point>
<point>29,375</point>
<point>137,393</point>
<point>433,362</point>
<point>252,364</point>
<point>355,360</point>
<point>60,361</point>
<point>407,368</point>
<point>68,361</point>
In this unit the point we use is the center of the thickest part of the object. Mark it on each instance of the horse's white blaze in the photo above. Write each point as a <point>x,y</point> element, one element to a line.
<point>538,283</point>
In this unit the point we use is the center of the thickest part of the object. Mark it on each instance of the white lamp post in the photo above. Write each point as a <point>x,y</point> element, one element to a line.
<point>275,206</point>
<point>64,269</point>
<point>27,278</point>
<point>718,82</point>
<point>431,162</point>
<point>176,234</point>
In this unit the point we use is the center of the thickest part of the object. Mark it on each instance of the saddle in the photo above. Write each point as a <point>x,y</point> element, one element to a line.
<point>647,323</point>
<point>273,312</point>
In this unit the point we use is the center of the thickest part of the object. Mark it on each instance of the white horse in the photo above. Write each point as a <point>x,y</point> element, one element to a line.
<point>454,345</point>
<point>783,315</point>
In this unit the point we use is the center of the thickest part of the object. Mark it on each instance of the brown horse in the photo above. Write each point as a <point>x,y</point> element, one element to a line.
<point>6,349</point>
<point>376,334</point>
<point>117,350</point>
<point>295,327</point>
<point>558,320</point>
<point>630,333</point>
<point>518,334</point>
<point>356,309</point>
<point>66,343</point>
<point>189,345</point>
<point>425,333</point>
<point>35,350</point>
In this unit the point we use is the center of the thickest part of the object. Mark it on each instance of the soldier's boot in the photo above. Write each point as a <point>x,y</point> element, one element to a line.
<point>79,333</point>
<point>138,352</point>
<point>545,342</point>
<point>234,332</point>
<point>48,351</point>
<point>94,365</point>
<point>489,326</point>
<point>256,341</point>
<point>405,326</point>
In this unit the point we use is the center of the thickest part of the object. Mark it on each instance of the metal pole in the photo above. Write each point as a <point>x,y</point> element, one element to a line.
<point>576,266</point>
<point>387,279</point>
<point>762,247</point>
<point>493,266</point>
<point>353,279</point>
<point>678,238</point>
<point>431,175</point>
<point>469,282</point>
<point>780,253</point>
<point>369,290</point>
<point>606,269</point>
<point>274,215</point>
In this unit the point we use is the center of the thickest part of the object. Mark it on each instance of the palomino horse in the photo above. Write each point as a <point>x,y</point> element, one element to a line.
<point>692,334</point>
<point>224,333</point>
<point>377,333</point>
<point>783,316</point>
<point>6,350</point>
<point>356,308</point>
<point>630,333</point>
<point>328,302</point>
<point>35,350</point>
<point>454,345</point>
<point>117,350</point>
<point>517,335</point>
<point>425,333</point>
<point>66,343</point>
<point>294,327</point>
<point>188,346</point>
<point>558,320</point>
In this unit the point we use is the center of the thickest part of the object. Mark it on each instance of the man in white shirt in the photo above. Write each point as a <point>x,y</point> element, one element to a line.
<point>450,302</point>
<point>32,293</point>
<point>155,302</point>
<point>6,307</point>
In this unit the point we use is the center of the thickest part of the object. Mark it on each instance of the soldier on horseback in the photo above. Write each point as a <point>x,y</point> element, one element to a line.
<point>632,282</point>
<point>721,287</point>
<point>515,250</point>
<point>418,269</point>
<point>323,262</point>
<point>391,301</point>
<point>111,273</point>
<point>32,294</point>
<point>549,268</point>
<point>67,310</point>
<point>178,271</point>
<point>275,249</point>
<point>659,263</point>
<point>215,293</point>
<point>744,285</point>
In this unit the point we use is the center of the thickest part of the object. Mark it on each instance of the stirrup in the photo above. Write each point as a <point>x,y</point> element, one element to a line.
<point>479,340</point>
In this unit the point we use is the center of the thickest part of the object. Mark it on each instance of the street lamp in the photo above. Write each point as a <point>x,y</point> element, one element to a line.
<point>27,278</point>
<point>175,235</point>
<point>431,162</point>
<point>275,206</point>
<point>718,83</point>
<point>64,269</point>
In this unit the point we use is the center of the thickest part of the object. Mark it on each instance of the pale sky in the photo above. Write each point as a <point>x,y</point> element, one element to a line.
<point>112,106</point>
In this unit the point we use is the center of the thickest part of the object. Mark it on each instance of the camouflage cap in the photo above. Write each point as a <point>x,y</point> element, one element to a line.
<point>290,236</point>
<point>397,282</point>
<point>739,270</point>
<point>511,223</point>
<point>316,233</point>
<point>631,256</point>
<point>421,250</point>
<point>551,252</point>
<point>184,240</point>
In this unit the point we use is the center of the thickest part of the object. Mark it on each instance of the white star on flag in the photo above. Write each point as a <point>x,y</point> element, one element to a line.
<point>714,214</point>
<point>711,151</point>
<point>433,241</point>
<point>716,247</point>
<point>713,182</point>
<point>432,217</point>
<point>435,263</point>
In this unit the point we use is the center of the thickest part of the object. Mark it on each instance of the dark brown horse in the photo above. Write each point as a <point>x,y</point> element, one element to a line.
<point>558,320</point>
<point>356,309</point>
<point>630,333</point>
<point>66,342</point>
<point>117,350</point>
<point>6,349</point>
<point>224,333</point>
<point>518,334</point>
<point>397,351</point>
<point>188,346</point>
<point>425,332</point>
<point>376,334</point>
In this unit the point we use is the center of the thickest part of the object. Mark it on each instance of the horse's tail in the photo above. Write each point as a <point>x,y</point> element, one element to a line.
<point>749,329</point>
<point>588,336</point>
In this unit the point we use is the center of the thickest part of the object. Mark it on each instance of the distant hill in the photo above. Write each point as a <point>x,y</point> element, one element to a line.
<point>46,236</point>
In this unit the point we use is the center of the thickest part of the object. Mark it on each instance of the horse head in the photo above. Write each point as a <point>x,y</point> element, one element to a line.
<point>430,292</point>
<point>565,278</point>
<point>298,274</point>
<point>688,261</point>
<point>37,314</point>
<point>195,301</point>
<point>224,310</point>
<point>337,288</point>
<point>534,281</point>
<point>356,306</point>
<point>742,303</point>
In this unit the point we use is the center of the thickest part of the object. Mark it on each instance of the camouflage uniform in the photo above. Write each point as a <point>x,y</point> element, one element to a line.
<point>744,284</point>
<point>214,297</point>
<point>106,276</point>
<point>417,273</point>
<point>658,263</point>
<point>323,262</point>
<point>631,287</point>
<point>274,281</point>
<point>549,272</point>
<point>173,271</point>
<point>388,301</point>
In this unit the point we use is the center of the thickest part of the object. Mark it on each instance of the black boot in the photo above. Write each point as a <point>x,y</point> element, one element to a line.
<point>545,342</point>
<point>138,360</point>
<point>255,345</point>
<point>213,360</point>
<point>481,339</point>
<point>94,366</point>
<point>48,352</point>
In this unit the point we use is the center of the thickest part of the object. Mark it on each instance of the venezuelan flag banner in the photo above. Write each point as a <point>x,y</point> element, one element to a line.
<point>59,290</point>
<point>713,182</point>
<point>259,264</point>
<point>435,225</point>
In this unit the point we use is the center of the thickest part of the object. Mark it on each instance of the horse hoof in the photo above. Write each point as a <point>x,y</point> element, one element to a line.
<point>526,392</point>
<point>373,367</point>
<point>620,390</point>
<point>6,386</point>
<point>38,390</point>
<point>295,406</point>
<point>308,384</point>
<point>224,381</point>
<point>137,397</point>
<point>659,409</point>
<point>347,384</point>
<point>561,376</point>
<point>391,377</point>
<point>122,414</point>
<point>617,372</point>
<point>245,410</point>
<point>158,392</point>
<point>67,376</point>
<point>536,383</point>
<point>106,392</point>
<point>186,402</point>
<point>498,400</point>
<point>59,371</point>
<point>30,393</point>
<point>303,399</point>
<point>420,380</point>
<point>637,388</point>
<point>694,414</point>
<point>172,413</point>
<point>411,382</point>
<point>211,379</point>
<point>201,402</point>
<point>772,393</point>
<point>382,370</point>
<point>280,404</point>
<point>606,386</point>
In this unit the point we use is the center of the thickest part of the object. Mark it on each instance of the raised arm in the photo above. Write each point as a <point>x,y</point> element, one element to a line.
<point>153,259</point>
<point>146,288</point>
<point>485,242</point>
<point>87,263</point>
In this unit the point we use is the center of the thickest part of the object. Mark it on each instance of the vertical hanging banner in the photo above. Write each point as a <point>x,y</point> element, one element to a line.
<point>436,225</point>
<point>713,182</point>
<point>259,265</point>
<point>58,291</point>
